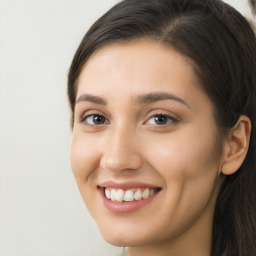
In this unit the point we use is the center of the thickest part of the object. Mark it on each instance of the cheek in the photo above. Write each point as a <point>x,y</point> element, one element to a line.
<point>84,156</point>
<point>185,154</point>
<point>84,160</point>
<point>189,167</point>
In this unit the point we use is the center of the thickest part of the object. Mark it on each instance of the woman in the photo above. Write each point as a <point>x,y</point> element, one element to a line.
<point>162,95</point>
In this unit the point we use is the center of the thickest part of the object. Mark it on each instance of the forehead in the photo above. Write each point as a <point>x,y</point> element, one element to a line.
<point>122,70</point>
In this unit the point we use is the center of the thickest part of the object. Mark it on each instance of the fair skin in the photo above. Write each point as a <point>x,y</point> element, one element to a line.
<point>142,121</point>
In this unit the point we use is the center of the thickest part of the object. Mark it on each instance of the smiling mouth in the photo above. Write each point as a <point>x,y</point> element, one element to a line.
<point>129,195</point>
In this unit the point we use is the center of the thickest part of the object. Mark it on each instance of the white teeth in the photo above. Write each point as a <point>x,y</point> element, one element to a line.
<point>129,195</point>
<point>138,195</point>
<point>113,194</point>
<point>120,195</point>
<point>108,193</point>
<point>145,193</point>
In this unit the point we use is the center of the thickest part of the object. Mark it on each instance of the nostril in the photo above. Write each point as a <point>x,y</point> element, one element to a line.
<point>116,161</point>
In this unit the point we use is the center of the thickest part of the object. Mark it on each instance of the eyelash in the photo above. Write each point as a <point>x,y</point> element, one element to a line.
<point>84,119</point>
<point>170,120</point>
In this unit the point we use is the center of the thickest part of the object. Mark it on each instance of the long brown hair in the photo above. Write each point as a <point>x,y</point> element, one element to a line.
<point>222,47</point>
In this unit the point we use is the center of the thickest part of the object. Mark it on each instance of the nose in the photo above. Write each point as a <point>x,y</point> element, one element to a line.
<point>121,152</point>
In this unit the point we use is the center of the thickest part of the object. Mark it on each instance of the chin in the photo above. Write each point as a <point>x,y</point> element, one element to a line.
<point>122,238</point>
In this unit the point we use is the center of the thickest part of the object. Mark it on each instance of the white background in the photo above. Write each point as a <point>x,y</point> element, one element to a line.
<point>41,212</point>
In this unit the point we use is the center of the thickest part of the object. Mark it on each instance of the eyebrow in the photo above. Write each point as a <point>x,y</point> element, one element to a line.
<point>159,96</point>
<point>91,98</point>
<point>138,100</point>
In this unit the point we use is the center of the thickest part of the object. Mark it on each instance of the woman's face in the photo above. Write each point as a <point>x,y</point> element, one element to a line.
<point>145,137</point>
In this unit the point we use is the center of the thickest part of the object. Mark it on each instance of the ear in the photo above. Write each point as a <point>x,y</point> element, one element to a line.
<point>236,145</point>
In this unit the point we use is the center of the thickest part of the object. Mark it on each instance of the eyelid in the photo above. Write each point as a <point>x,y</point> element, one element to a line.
<point>169,120</point>
<point>90,112</point>
<point>106,121</point>
<point>83,113</point>
<point>151,113</point>
<point>167,113</point>
<point>170,124</point>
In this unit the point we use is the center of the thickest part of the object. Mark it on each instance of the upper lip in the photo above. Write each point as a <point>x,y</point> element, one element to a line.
<point>126,185</point>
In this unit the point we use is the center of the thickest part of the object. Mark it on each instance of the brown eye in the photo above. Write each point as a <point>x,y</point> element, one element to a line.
<point>94,119</point>
<point>161,120</point>
<point>97,119</point>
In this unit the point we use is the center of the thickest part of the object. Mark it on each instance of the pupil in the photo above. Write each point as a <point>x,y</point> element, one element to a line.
<point>160,119</point>
<point>98,119</point>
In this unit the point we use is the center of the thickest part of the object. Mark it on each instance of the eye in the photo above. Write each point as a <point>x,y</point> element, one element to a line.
<point>95,119</point>
<point>161,119</point>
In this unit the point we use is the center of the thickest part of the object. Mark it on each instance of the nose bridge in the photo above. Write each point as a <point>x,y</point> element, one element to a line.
<point>120,151</point>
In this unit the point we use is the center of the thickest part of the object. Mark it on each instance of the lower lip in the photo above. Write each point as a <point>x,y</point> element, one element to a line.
<point>126,207</point>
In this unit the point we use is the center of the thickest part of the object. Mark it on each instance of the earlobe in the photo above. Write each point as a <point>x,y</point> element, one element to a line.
<point>236,145</point>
